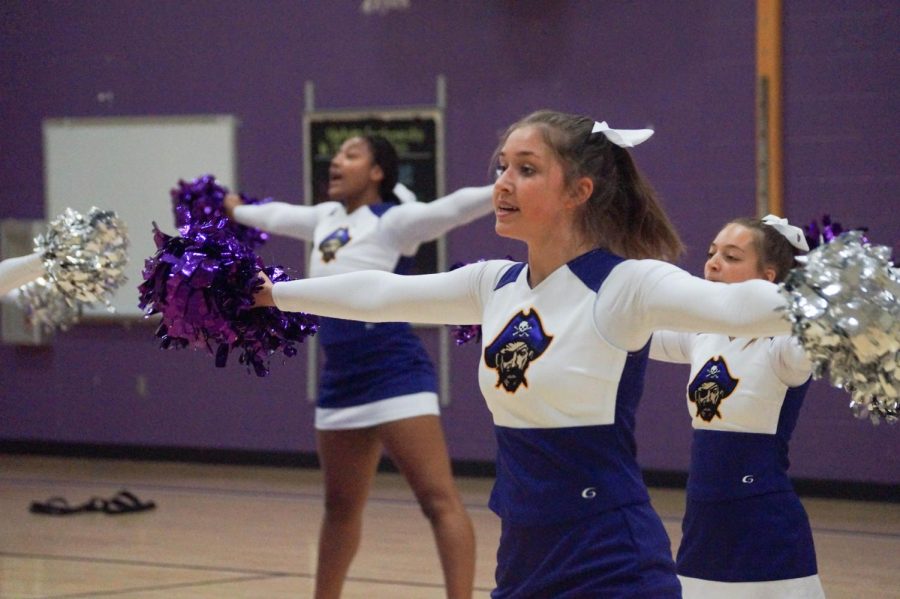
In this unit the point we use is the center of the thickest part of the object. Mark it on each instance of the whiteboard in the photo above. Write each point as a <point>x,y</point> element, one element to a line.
<point>130,165</point>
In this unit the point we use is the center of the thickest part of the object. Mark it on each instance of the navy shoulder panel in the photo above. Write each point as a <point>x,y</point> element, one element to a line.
<point>380,209</point>
<point>511,274</point>
<point>593,268</point>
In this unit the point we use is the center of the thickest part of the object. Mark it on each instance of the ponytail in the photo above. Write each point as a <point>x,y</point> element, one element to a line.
<point>628,218</point>
<point>385,156</point>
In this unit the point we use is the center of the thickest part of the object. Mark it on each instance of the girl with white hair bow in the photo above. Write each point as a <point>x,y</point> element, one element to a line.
<point>745,532</point>
<point>565,339</point>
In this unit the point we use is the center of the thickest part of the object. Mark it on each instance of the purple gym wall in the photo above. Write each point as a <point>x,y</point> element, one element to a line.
<point>685,68</point>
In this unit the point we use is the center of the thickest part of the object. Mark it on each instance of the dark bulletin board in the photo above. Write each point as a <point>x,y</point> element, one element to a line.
<point>417,136</point>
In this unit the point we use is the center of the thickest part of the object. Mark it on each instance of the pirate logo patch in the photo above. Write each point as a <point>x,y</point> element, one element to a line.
<point>710,387</point>
<point>331,244</point>
<point>521,341</point>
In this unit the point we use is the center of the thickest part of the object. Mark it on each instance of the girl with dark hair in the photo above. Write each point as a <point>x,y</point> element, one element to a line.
<point>745,532</point>
<point>565,340</point>
<point>378,387</point>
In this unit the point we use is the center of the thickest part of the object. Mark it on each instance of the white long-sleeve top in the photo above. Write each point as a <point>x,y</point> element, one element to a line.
<point>785,357</point>
<point>15,272</point>
<point>371,237</point>
<point>637,298</point>
<point>562,362</point>
<point>765,369</point>
<point>744,397</point>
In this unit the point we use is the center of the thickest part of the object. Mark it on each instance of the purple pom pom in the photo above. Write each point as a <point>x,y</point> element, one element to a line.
<point>463,333</point>
<point>202,284</point>
<point>201,201</point>
<point>266,331</point>
<point>816,236</point>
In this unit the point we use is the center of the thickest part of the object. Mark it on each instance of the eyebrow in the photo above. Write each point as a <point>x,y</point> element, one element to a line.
<point>727,246</point>
<point>521,153</point>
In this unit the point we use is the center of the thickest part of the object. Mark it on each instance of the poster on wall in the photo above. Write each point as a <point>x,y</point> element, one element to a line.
<point>416,134</point>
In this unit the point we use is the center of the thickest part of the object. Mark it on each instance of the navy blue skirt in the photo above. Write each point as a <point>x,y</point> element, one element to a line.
<point>383,361</point>
<point>753,539</point>
<point>624,552</point>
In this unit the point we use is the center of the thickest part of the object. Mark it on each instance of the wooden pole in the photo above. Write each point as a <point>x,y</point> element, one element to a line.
<point>769,110</point>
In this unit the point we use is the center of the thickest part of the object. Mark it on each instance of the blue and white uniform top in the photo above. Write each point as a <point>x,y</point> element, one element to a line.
<point>373,237</point>
<point>374,372</point>
<point>563,398</point>
<point>562,362</point>
<point>745,533</point>
<point>744,397</point>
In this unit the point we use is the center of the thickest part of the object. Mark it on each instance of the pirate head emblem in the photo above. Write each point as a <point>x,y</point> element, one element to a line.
<point>710,387</point>
<point>522,340</point>
<point>331,244</point>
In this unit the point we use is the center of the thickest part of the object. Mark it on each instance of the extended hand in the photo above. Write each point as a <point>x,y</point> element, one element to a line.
<point>231,201</point>
<point>263,298</point>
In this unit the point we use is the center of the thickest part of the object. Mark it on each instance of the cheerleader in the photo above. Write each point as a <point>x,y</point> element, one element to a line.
<point>565,342</point>
<point>745,532</point>
<point>378,386</point>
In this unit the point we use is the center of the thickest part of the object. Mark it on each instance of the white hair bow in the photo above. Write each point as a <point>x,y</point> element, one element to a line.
<point>793,234</point>
<point>404,193</point>
<point>624,138</point>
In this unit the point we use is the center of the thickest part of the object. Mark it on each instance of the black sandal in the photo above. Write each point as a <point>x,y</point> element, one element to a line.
<point>55,506</point>
<point>94,504</point>
<point>125,502</point>
<point>58,506</point>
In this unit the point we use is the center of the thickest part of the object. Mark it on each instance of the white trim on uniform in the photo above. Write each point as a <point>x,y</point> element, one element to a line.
<point>378,412</point>
<point>808,587</point>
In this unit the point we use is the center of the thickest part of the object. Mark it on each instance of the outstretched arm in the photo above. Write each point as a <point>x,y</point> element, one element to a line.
<point>281,218</point>
<point>376,296</point>
<point>15,272</point>
<point>411,224</point>
<point>648,295</point>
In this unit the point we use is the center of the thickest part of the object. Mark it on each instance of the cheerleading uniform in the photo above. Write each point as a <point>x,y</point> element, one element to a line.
<point>562,371</point>
<point>15,272</point>
<point>745,532</point>
<point>373,372</point>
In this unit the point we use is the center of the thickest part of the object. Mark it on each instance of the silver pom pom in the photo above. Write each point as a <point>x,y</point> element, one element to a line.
<point>843,304</point>
<point>84,259</point>
<point>46,307</point>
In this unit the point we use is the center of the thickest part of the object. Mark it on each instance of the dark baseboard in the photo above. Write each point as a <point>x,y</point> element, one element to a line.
<point>200,455</point>
<point>195,455</point>
<point>833,489</point>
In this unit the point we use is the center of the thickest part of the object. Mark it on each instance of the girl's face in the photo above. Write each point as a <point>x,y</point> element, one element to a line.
<point>352,173</point>
<point>530,191</point>
<point>733,257</point>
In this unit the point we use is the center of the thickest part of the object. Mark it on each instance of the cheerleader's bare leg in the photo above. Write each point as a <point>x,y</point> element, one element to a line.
<point>349,459</point>
<point>417,447</point>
